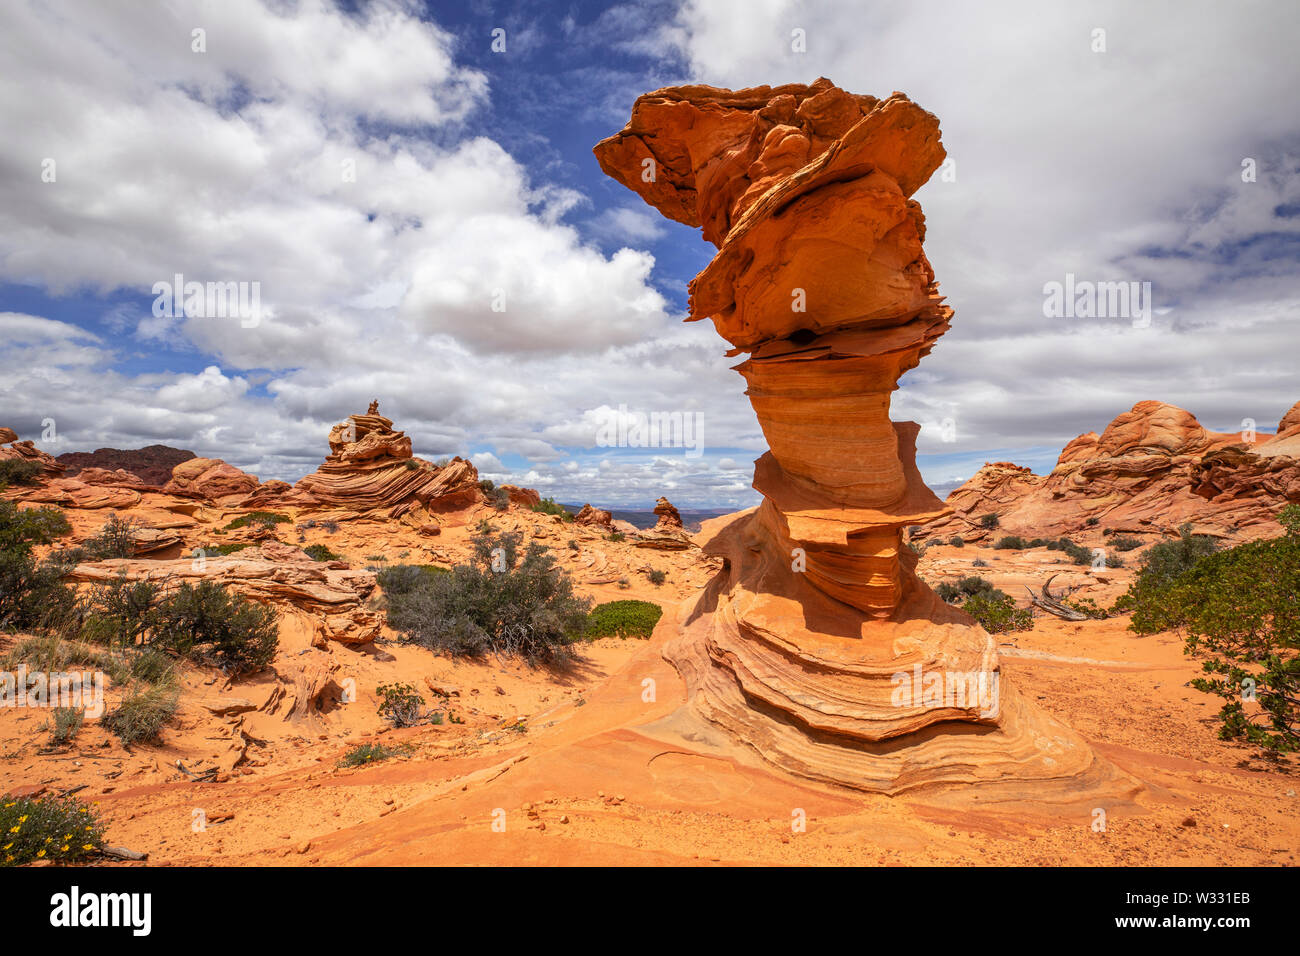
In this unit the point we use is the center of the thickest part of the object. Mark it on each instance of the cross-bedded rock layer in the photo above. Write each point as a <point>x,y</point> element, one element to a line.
<point>820,277</point>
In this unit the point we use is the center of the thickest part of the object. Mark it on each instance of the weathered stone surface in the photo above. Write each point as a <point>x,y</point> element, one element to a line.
<point>593,517</point>
<point>27,451</point>
<point>821,278</point>
<point>210,479</point>
<point>152,464</point>
<point>1153,469</point>
<point>525,497</point>
<point>667,534</point>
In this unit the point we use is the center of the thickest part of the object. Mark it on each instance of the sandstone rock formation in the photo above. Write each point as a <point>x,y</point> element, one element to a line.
<point>152,464</point>
<point>27,451</point>
<point>1153,469</point>
<point>210,479</point>
<point>524,497</point>
<point>796,647</point>
<point>668,533</point>
<point>594,517</point>
<point>371,468</point>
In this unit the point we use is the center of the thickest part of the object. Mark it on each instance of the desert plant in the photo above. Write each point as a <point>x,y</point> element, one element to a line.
<point>1092,521</point>
<point>19,471</point>
<point>65,724</point>
<point>32,593</point>
<point>268,519</point>
<point>58,829</point>
<point>363,754</point>
<point>979,563</point>
<point>573,545</point>
<point>1010,542</point>
<point>143,713</point>
<point>116,539</point>
<point>507,600</point>
<point>997,613</point>
<point>320,552</point>
<point>615,536</point>
<point>1125,543</point>
<point>622,619</point>
<point>989,521</point>
<point>1239,611</point>
<point>207,622</point>
<point>119,612</point>
<point>400,704</point>
<point>657,577</point>
<point>550,507</point>
<point>957,541</point>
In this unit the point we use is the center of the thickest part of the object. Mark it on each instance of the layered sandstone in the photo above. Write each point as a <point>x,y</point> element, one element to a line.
<point>27,451</point>
<point>371,468</point>
<point>668,533</point>
<point>1152,470</point>
<point>821,279</point>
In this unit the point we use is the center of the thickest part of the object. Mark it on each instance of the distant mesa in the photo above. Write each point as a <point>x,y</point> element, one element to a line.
<point>152,464</point>
<point>1153,469</point>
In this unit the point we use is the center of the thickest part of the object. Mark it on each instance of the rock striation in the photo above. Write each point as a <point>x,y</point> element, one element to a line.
<point>820,278</point>
<point>370,468</point>
<point>668,533</point>
<point>1153,469</point>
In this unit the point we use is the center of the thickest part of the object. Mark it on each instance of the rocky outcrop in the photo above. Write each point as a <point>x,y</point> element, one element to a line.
<point>27,451</point>
<point>152,464</point>
<point>594,517</point>
<point>820,277</point>
<point>371,468</point>
<point>1153,469</point>
<point>524,497</point>
<point>333,595</point>
<point>667,534</point>
<point>210,479</point>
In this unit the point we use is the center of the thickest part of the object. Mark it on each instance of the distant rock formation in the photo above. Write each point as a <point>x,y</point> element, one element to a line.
<point>370,467</point>
<point>27,451</point>
<point>1153,469</point>
<point>210,479</point>
<point>524,497</point>
<point>594,517</point>
<point>796,646</point>
<point>667,534</point>
<point>152,464</point>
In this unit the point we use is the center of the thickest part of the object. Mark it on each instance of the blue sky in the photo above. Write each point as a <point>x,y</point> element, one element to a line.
<point>473,173</point>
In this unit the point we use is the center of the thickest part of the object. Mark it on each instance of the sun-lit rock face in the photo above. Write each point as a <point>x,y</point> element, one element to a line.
<point>370,466</point>
<point>1152,470</point>
<point>821,279</point>
<point>27,451</point>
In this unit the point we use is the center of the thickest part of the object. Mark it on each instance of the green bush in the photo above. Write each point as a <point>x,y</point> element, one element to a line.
<point>1011,542</point>
<point>119,612</point>
<point>997,613</point>
<point>32,593</point>
<point>207,622</point>
<point>657,577</point>
<point>506,600</point>
<point>1092,521</point>
<point>61,830</point>
<point>400,704</point>
<point>957,541</point>
<point>549,506</point>
<point>989,521</point>
<point>1239,611</point>
<point>615,536</point>
<point>19,471</point>
<point>623,619</point>
<point>221,550</point>
<point>363,754</point>
<point>320,552</point>
<point>268,519</point>
<point>116,539</point>
<point>48,652</point>
<point>1125,543</point>
<point>955,593</point>
<point>143,713</point>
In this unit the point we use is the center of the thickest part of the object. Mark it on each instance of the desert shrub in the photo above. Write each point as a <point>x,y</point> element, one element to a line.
<point>143,713</point>
<point>19,471</point>
<point>1092,521</point>
<point>957,541</point>
<point>221,550</point>
<point>49,652</point>
<point>363,754</point>
<point>1087,606</point>
<point>65,724</point>
<point>400,704</point>
<point>989,521</point>
<point>207,622</point>
<point>573,545</point>
<point>657,577</point>
<point>411,465</point>
<point>550,507</point>
<point>623,619</point>
<point>32,593</point>
<point>1239,611</point>
<point>330,526</point>
<point>956,592</point>
<point>1077,553</point>
<point>507,600</point>
<point>979,563</point>
<point>268,519</point>
<point>997,613</point>
<point>1011,542</point>
<point>615,536</point>
<point>320,552</point>
<point>1125,543</point>
<point>61,830</point>
<point>917,549</point>
<point>119,612</point>
<point>151,665</point>
<point>1114,561</point>
<point>403,578</point>
<point>116,539</point>
<point>1036,543</point>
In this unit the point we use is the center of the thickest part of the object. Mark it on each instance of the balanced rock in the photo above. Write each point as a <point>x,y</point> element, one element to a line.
<point>667,534</point>
<point>813,643</point>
